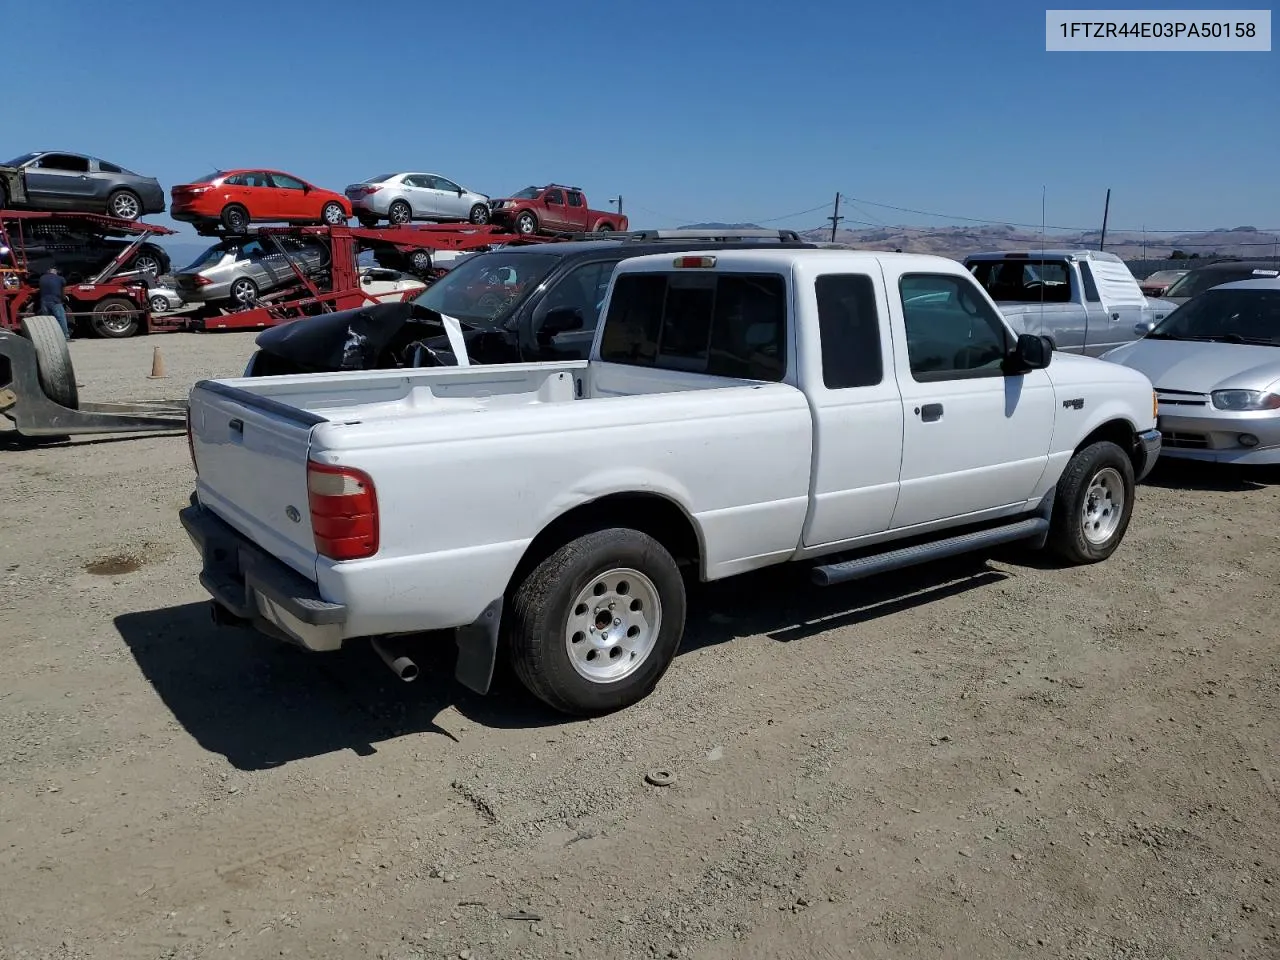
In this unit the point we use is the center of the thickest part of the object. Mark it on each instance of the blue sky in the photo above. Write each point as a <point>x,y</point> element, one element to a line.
<point>729,111</point>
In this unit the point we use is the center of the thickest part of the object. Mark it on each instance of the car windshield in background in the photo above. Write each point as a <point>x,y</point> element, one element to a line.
<point>379,178</point>
<point>1164,276</point>
<point>528,193</point>
<point>1225,316</point>
<point>19,161</point>
<point>482,290</point>
<point>1198,281</point>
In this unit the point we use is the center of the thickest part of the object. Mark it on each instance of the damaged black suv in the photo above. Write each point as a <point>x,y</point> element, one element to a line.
<point>530,302</point>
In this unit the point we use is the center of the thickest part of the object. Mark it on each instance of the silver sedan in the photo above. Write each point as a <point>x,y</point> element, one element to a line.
<point>404,197</point>
<point>1215,365</point>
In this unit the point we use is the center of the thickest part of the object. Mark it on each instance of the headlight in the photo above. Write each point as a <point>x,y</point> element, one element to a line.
<point>1245,400</point>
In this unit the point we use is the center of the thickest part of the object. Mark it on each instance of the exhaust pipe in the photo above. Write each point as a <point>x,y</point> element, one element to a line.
<point>402,666</point>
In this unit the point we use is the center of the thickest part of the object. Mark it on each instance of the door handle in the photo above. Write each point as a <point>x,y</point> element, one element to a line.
<point>930,412</point>
<point>236,426</point>
<point>1115,316</point>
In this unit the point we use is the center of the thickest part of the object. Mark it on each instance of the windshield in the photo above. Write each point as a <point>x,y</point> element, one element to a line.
<point>19,161</point>
<point>1198,281</point>
<point>209,258</point>
<point>1229,316</point>
<point>481,291</point>
<point>528,193</point>
<point>379,178</point>
<point>1165,276</point>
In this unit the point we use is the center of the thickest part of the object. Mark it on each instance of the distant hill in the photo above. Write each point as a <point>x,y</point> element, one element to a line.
<point>959,242</point>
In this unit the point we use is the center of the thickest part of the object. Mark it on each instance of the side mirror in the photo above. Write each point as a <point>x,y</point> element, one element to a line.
<point>461,191</point>
<point>366,279</point>
<point>1029,353</point>
<point>560,320</point>
<point>1142,329</point>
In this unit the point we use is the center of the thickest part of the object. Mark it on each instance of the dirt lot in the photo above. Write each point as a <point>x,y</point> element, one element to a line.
<point>979,760</point>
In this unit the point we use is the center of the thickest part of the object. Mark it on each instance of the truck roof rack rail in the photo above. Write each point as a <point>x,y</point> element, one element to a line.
<point>783,236</point>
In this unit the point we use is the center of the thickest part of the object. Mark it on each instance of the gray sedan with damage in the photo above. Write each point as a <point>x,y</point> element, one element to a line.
<point>1215,365</point>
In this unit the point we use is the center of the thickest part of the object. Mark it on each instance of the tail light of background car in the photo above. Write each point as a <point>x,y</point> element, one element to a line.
<point>344,511</point>
<point>363,191</point>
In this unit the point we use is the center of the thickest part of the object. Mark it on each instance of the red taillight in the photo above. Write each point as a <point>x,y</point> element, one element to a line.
<point>344,511</point>
<point>369,190</point>
<point>695,262</point>
<point>202,280</point>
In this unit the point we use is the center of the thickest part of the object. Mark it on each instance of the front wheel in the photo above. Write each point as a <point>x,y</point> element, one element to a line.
<point>1093,504</point>
<point>114,318</point>
<point>124,205</point>
<point>479,214</point>
<point>596,624</point>
<point>159,303</point>
<point>526,224</point>
<point>243,292</point>
<point>333,215</point>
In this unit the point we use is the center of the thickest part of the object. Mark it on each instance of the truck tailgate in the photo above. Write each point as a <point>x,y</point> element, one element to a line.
<point>251,461</point>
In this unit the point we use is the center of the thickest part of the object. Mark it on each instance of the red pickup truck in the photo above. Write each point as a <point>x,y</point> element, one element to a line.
<point>552,209</point>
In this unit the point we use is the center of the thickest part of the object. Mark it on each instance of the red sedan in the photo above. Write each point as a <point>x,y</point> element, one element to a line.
<point>236,198</point>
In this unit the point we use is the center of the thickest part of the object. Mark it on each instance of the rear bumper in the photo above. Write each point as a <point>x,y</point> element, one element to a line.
<point>1147,447</point>
<point>254,587</point>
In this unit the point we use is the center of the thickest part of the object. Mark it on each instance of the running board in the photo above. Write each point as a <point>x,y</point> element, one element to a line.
<point>833,573</point>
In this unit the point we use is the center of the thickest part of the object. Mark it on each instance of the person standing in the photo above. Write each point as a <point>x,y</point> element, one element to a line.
<point>53,297</point>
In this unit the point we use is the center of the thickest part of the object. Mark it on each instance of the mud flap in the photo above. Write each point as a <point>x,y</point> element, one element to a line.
<point>478,649</point>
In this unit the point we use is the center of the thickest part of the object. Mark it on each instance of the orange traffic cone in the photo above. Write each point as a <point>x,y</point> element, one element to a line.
<point>157,366</point>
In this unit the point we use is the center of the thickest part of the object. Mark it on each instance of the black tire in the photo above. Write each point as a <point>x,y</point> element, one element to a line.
<point>114,318</point>
<point>159,303</point>
<point>479,214</point>
<point>1099,463</point>
<point>243,292</point>
<point>399,213</point>
<point>526,224</point>
<point>605,228</point>
<point>368,222</point>
<point>332,214</point>
<point>235,218</point>
<point>420,261</point>
<point>124,205</point>
<point>540,615</point>
<point>53,360</point>
<point>152,261</point>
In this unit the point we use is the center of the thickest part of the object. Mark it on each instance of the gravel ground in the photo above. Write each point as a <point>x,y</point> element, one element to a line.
<point>982,759</point>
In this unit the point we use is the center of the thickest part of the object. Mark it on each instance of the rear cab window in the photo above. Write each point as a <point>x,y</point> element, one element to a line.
<point>722,324</point>
<point>1020,279</point>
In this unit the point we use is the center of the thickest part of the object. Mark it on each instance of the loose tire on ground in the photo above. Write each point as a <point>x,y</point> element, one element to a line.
<point>547,617</point>
<point>53,360</point>
<point>1088,523</point>
<point>114,318</point>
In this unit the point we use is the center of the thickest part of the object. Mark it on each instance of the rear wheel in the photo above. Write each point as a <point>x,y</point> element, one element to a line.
<point>479,214</point>
<point>159,303</point>
<point>420,261</point>
<point>243,292</point>
<point>399,213</point>
<point>125,205</point>
<point>114,318</point>
<point>235,218</point>
<point>1093,504</point>
<point>53,360</point>
<point>333,215</point>
<point>150,262</point>
<point>596,624</point>
<point>605,228</point>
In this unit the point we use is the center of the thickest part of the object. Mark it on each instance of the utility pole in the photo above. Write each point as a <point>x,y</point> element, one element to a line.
<point>835,218</point>
<point>1144,243</point>
<point>1102,242</point>
<point>618,201</point>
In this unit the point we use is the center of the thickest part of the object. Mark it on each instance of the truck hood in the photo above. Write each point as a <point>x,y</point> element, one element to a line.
<point>1200,367</point>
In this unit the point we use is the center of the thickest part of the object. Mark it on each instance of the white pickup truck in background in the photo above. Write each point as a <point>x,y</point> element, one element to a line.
<point>1085,301</point>
<point>854,411</point>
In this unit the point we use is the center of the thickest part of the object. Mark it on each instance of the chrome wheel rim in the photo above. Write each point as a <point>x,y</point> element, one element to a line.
<point>117,318</point>
<point>159,304</point>
<point>1103,506</point>
<point>525,225</point>
<point>400,213</point>
<point>333,214</point>
<point>147,265</point>
<point>242,291</point>
<point>481,216</point>
<point>125,207</point>
<point>613,625</point>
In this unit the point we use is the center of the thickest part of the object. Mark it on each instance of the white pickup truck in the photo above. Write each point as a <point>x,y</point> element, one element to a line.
<point>854,411</point>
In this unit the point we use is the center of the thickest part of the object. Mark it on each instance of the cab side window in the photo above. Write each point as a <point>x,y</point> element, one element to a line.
<point>849,326</point>
<point>953,332</point>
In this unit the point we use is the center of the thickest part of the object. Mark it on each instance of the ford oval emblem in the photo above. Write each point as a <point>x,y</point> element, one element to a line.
<point>292,513</point>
